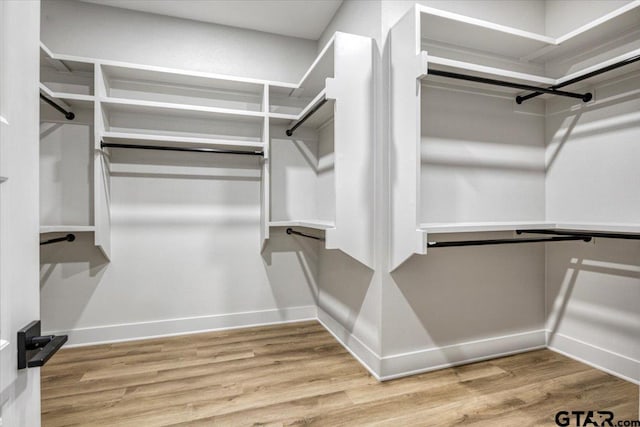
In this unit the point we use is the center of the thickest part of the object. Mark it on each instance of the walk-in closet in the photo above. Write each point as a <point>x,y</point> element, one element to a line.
<point>328,212</point>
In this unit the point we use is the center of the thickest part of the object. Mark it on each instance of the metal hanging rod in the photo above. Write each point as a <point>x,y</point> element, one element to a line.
<point>586,97</point>
<point>190,149</point>
<point>584,234</point>
<point>504,241</point>
<point>310,113</point>
<point>521,99</point>
<point>67,114</point>
<point>67,238</point>
<point>297,233</point>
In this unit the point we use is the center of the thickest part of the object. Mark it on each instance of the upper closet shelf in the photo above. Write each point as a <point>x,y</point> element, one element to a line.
<point>451,29</point>
<point>459,30</point>
<point>314,80</point>
<point>183,89</point>
<point>64,63</point>
<point>316,113</point>
<point>68,100</point>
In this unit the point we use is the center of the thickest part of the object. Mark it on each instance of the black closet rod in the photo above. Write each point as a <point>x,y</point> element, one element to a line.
<point>67,238</point>
<point>521,99</point>
<point>586,97</point>
<point>504,241</point>
<point>310,113</point>
<point>67,114</point>
<point>606,235</point>
<point>190,149</point>
<point>297,233</point>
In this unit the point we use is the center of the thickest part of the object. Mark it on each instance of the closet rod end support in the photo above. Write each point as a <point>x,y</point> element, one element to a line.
<point>519,99</point>
<point>69,115</point>
<point>289,132</point>
<point>289,230</point>
<point>587,97</point>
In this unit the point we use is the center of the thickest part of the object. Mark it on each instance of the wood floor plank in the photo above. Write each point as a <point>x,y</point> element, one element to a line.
<point>296,374</point>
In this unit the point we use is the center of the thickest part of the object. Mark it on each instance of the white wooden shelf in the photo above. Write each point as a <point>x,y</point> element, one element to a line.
<point>180,141</point>
<point>469,68</point>
<point>599,227</point>
<point>152,85</point>
<point>314,80</point>
<point>476,227</point>
<point>68,100</point>
<point>66,229</point>
<point>475,34</point>
<point>310,223</point>
<point>182,110</point>
<point>472,227</point>
<point>319,118</point>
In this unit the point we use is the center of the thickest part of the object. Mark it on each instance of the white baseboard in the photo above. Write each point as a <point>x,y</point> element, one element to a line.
<point>405,364</point>
<point>605,360</point>
<point>359,350</point>
<point>188,325</point>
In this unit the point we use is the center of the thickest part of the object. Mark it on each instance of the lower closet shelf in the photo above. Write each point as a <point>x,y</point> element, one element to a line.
<point>315,224</point>
<point>66,228</point>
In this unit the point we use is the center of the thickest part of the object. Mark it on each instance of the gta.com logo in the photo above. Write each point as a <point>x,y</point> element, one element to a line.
<point>592,418</point>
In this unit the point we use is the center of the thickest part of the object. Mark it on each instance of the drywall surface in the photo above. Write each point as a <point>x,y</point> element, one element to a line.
<point>185,257</point>
<point>592,177</point>
<point>186,252</point>
<point>563,16</point>
<point>592,151</point>
<point>592,298</point>
<point>83,29</point>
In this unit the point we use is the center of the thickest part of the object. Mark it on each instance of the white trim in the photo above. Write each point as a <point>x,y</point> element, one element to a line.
<point>184,326</point>
<point>368,358</point>
<point>416,362</point>
<point>602,359</point>
<point>167,70</point>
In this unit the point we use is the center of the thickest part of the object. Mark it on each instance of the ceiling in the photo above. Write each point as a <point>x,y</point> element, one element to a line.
<point>296,18</point>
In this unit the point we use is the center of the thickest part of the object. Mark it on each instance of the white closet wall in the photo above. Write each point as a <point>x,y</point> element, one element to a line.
<point>592,291</point>
<point>185,227</point>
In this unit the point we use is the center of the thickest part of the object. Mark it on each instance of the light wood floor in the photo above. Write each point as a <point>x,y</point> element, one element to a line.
<point>298,374</point>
